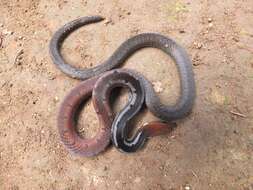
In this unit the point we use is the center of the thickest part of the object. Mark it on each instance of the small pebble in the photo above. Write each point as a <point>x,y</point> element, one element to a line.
<point>1,24</point>
<point>187,187</point>
<point>182,31</point>
<point>108,21</point>
<point>158,86</point>
<point>210,25</point>
<point>121,16</point>
<point>236,39</point>
<point>206,32</point>
<point>56,99</point>
<point>210,20</point>
<point>6,32</point>
<point>197,45</point>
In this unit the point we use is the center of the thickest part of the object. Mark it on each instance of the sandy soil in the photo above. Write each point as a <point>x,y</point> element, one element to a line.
<point>211,149</point>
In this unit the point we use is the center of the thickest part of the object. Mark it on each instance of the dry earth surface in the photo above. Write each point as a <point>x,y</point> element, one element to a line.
<point>210,149</point>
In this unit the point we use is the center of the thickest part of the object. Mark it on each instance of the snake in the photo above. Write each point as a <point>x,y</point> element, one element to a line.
<point>184,103</point>
<point>180,109</point>
<point>100,88</point>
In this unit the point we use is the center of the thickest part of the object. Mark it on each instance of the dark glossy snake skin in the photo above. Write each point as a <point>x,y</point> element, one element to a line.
<point>128,79</point>
<point>184,104</point>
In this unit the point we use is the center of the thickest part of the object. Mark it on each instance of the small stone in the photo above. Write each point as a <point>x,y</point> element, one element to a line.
<point>5,32</point>
<point>56,99</point>
<point>108,21</point>
<point>187,187</point>
<point>19,62</point>
<point>135,31</point>
<point>21,51</point>
<point>51,76</point>
<point>236,39</point>
<point>20,37</point>
<point>196,63</point>
<point>210,20</point>
<point>158,86</point>
<point>1,24</point>
<point>210,25</point>
<point>182,31</point>
<point>197,45</point>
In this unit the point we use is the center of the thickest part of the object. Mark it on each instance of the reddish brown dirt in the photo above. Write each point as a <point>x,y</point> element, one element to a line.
<point>211,149</point>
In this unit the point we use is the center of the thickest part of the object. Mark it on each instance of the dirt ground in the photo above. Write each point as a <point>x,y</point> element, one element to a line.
<point>210,149</point>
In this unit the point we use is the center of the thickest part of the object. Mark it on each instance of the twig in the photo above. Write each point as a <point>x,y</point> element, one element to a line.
<point>238,114</point>
<point>246,48</point>
<point>17,56</point>
<point>1,40</point>
<point>195,174</point>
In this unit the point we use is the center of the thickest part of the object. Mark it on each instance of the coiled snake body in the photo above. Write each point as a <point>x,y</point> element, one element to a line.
<point>179,110</point>
<point>100,89</point>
